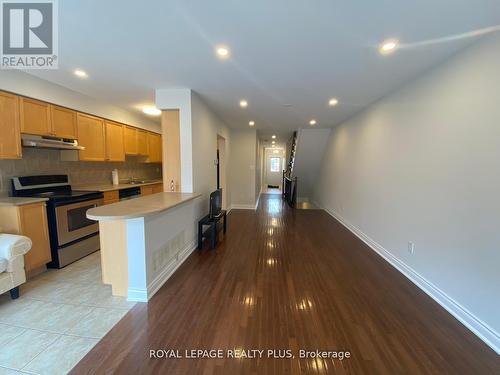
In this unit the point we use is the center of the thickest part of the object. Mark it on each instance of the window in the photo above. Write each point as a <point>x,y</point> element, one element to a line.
<point>275,164</point>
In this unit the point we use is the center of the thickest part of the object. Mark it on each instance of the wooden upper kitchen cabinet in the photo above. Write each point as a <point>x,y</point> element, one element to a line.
<point>154,145</point>
<point>63,122</point>
<point>91,135</point>
<point>35,117</point>
<point>10,134</point>
<point>142,142</point>
<point>31,221</point>
<point>115,150</point>
<point>131,146</point>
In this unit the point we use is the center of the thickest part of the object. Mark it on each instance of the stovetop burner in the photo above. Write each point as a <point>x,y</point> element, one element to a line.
<point>54,187</point>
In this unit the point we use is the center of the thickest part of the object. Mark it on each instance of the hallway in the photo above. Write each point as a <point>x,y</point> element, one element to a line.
<point>290,279</point>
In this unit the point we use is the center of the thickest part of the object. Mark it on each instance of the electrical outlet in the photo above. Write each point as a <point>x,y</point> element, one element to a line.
<point>411,247</point>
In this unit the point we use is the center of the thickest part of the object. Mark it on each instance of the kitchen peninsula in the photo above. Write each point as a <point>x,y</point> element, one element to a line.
<point>144,240</point>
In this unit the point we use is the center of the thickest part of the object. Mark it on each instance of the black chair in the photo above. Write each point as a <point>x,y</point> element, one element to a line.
<point>216,213</point>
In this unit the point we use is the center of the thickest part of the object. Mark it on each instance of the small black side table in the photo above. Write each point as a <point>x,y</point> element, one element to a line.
<point>212,231</point>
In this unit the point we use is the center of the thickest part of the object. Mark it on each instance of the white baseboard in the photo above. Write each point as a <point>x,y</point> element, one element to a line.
<point>242,207</point>
<point>257,202</point>
<point>137,295</point>
<point>474,324</point>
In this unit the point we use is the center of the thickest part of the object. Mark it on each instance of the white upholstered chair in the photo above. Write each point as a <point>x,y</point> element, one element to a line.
<point>12,250</point>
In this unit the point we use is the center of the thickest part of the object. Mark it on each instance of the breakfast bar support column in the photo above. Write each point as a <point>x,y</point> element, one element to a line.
<point>137,263</point>
<point>144,240</point>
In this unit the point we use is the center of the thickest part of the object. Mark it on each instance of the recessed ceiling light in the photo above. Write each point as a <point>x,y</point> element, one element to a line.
<point>273,137</point>
<point>388,46</point>
<point>251,123</point>
<point>152,111</point>
<point>243,103</point>
<point>222,52</point>
<point>312,122</point>
<point>273,142</point>
<point>80,73</point>
<point>333,102</point>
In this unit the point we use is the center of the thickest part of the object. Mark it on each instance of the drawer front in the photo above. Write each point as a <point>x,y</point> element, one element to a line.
<point>111,197</point>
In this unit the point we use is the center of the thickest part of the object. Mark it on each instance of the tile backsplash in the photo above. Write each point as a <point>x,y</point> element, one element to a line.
<point>40,161</point>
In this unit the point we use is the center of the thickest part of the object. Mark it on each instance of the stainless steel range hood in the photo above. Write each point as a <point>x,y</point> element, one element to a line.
<point>50,142</point>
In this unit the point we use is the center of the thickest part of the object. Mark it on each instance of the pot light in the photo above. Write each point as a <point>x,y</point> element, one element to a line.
<point>273,142</point>
<point>243,103</point>
<point>273,137</point>
<point>152,111</point>
<point>312,122</point>
<point>388,46</point>
<point>251,123</point>
<point>80,73</point>
<point>333,102</point>
<point>222,52</point>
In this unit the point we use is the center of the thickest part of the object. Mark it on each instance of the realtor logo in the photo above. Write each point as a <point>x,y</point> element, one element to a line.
<point>29,34</point>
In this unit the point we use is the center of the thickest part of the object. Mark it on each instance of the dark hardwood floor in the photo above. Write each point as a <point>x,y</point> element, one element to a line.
<point>290,279</point>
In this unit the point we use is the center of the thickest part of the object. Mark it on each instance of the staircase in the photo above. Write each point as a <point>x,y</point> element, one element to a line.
<point>290,182</point>
<point>307,147</point>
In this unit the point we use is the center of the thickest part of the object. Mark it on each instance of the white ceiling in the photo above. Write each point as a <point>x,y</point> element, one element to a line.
<point>283,52</point>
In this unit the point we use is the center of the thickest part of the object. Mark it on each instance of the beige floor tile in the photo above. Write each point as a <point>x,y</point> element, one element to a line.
<point>22,349</point>
<point>62,292</point>
<point>7,333</point>
<point>20,311</point>
<point>61,356</point>
<point>31,315</point>
<point>97,323</point>
<point>7,371</point>
<point>60,320</point>
<point>72,300</point>
<point>100,296</point>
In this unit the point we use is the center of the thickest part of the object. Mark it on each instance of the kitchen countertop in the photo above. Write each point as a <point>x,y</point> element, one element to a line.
<point>111,187</point>
<point>20,201</point>
<point>140,207</point>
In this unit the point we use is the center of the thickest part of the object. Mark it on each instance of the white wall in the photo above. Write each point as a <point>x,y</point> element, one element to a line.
<point>27,85</point>
<point>242,167</point>
<point>422,165</point>
<point>206,126</point>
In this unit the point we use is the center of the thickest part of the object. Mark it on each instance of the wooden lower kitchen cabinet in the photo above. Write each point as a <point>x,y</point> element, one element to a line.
<point>146,190</point>
<point>151,189</point>
<point>158,188</point>
<point>111,197</point>
<point>31,221</point>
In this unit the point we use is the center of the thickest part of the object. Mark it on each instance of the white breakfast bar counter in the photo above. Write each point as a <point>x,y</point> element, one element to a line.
<point>144,240</point>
